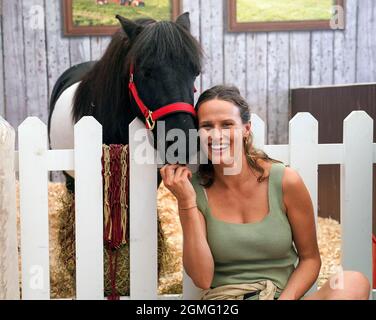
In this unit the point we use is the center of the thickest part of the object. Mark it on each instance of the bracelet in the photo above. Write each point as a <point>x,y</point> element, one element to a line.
<point>188,208</point>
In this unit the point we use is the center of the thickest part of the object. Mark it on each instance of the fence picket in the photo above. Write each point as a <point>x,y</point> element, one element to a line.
<point>89,209</point>
<point>9,286</point>
<point>303,141</point>
<point>190,291</point>
<point>143,216</point>
<point>34,209</point>
<point>258,130</point>
<point>356,193</point>
<point>303,153</point>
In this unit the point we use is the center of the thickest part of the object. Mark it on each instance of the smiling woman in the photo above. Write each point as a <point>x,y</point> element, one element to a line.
<point>248,235</point>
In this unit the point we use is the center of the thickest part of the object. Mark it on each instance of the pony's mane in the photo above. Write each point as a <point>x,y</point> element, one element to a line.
<point>107,83</point>
<point>166,41</point>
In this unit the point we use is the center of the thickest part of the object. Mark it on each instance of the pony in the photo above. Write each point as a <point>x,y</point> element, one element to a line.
<point>148,64</point>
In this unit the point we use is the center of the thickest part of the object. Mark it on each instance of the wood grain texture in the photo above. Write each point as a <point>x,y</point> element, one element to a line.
<point>35,59</point>
<point>278,87</point>
<point>193,7</point>
<point>79,50</point>
<point>345,47</point>
<point>366,46</point>
<point>263,67</point>
<point>322,56</point>
<point>212,33</point>
<point>300,59</point>
<point>14,63</point>
<point>235,61</point>
<point>57,46</point>
<point>257,73</point>
<point>98,46</point>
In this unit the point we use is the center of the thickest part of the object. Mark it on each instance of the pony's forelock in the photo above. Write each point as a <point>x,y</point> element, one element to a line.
<point>166,42</point>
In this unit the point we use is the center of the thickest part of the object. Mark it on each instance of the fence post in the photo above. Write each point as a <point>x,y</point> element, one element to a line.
<point>33,175</point>
<point>303,142</point>
<point>356,193</point>
<point>89,209</point>
<point>9,279</point>
<point>143,214</point>
<point>258,130</point>
<point>190,291</point>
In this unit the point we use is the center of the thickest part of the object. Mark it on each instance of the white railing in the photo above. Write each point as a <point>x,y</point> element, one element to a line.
<point>356,156</point>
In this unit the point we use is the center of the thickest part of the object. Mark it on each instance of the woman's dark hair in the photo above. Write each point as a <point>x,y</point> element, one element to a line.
<point>232,94</point>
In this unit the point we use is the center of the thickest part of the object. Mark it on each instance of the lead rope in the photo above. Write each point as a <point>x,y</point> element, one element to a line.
<point>115,171</point>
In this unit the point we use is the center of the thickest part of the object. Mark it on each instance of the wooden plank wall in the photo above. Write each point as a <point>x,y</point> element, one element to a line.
<point>33,53</point>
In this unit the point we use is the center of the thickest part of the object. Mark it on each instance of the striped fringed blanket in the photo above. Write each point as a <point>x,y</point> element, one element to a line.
<point>115,210</point>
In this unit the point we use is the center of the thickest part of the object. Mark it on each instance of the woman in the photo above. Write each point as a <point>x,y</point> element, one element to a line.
<point>245,230</point>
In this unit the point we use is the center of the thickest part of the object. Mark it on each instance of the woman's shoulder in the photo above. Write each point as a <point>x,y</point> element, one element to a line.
<point>291,180</point>
<point>288,180</point>
<point>268,164</point>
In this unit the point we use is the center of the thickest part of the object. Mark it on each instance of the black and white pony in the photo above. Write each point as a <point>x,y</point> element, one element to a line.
<point>158,60</point>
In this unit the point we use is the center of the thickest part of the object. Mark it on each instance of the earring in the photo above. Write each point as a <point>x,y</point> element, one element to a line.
<point>246,142</point>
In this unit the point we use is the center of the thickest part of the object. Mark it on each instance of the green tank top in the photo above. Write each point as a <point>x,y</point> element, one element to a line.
<point>251,252</point>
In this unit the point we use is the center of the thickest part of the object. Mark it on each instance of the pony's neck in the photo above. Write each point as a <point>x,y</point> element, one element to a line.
<point>103,93</point>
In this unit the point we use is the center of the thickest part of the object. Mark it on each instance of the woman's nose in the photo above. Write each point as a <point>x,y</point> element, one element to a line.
<point>215,135</point>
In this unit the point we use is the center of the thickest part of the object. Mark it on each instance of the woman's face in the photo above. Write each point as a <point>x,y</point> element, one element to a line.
<point>221,131</point>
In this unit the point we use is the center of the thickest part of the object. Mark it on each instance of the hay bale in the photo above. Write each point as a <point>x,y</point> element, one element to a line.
<point>329,241</point>
<point>170,280</point>
<point>65,279</point>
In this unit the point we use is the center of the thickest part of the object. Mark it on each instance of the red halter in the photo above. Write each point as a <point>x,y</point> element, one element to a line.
<point>152,116</point>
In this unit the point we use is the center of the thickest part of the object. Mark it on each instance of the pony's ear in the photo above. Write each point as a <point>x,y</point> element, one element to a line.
<point>184,21</point>
<point>131,28</point>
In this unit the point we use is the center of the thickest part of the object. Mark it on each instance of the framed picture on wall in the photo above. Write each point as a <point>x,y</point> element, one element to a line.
<point>278,15</point>
<point>97,17</point>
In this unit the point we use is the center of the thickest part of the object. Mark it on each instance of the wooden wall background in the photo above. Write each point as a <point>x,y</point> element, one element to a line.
<point>33,53</point>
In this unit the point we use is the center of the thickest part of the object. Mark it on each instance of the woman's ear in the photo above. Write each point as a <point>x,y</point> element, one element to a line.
<point>131,29</point>
<point>247,129</point>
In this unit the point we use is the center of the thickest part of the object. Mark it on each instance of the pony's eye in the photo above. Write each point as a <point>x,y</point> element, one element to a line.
<point>148,73</point>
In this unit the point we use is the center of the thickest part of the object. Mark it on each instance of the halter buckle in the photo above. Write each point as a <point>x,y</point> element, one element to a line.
<point>149,121</point>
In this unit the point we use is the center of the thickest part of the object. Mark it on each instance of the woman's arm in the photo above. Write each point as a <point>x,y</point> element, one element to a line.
<point>299,211</point>
<point>197,258</point>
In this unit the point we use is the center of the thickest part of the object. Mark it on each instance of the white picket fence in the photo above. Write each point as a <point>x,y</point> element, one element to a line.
<point>356,156</point>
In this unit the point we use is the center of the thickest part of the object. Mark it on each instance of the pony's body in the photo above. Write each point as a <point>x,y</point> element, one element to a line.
<point>60,122</point>
<point>167,60</point>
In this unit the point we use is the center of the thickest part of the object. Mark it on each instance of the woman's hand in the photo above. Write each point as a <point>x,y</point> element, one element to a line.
<point>176,179</point>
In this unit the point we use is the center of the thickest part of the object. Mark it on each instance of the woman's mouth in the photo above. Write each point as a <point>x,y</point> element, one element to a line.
<point>219,147</point>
